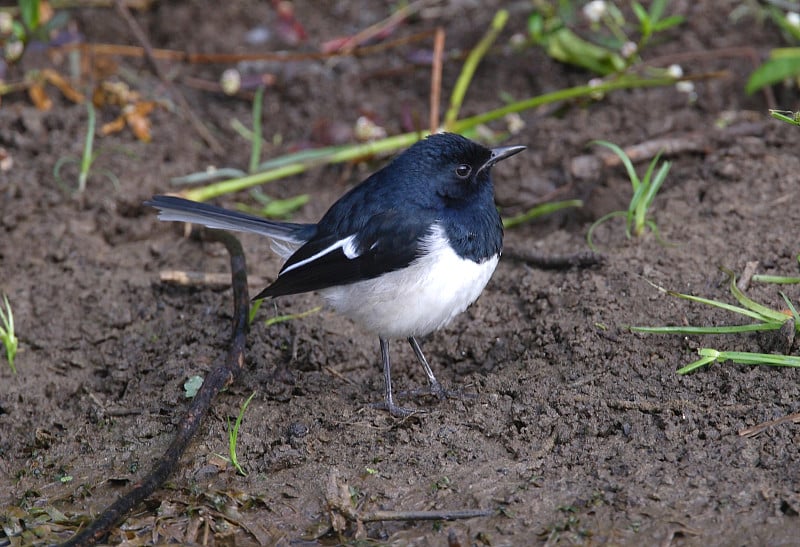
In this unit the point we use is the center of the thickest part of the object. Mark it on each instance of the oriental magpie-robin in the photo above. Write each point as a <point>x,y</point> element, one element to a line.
<point>402,253</point>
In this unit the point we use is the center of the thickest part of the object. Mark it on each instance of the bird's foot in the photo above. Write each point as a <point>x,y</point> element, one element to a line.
<point>437,390</point>
<point>396,410</point>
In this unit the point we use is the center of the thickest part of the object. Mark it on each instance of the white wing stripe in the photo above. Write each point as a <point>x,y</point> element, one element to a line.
<point>347,245</point>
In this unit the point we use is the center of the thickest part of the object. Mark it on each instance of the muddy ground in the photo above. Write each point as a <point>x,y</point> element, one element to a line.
<point>581,432</point>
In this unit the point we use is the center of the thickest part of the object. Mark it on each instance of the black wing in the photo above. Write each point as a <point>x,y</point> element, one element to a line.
<point>387,242</point>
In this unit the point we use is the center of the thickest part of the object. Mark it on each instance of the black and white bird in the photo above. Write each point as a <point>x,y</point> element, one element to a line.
<point>401,254</point>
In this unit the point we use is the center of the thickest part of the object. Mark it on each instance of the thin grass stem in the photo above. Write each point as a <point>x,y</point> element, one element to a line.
<point>88,156</point>
<point>255,141</point>
<point>470,65</point>
<point>540,210</point>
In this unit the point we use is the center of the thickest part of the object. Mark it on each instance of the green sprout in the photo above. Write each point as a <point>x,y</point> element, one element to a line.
<point>7,335</point>
<point>766,319</point>
<point>279,318</point>
<point>644,191</point>
<point>291,316</point>
<point>233,436</point>
<point>87,158</point>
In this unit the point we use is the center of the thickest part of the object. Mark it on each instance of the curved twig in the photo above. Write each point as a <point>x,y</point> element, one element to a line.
<point>217,379</point>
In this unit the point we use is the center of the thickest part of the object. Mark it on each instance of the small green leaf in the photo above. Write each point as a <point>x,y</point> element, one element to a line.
<point>773,71</point>
<point>29,12</point>
<point>641,13</point>
<point>669,22</point>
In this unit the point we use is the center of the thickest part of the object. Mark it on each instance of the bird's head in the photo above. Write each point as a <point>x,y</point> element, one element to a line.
<point>454,167</point>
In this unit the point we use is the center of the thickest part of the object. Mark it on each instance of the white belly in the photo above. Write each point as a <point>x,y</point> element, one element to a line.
<point>418,299</point>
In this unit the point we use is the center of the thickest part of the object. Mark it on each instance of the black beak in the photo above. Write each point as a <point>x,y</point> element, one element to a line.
<point>501,153</point>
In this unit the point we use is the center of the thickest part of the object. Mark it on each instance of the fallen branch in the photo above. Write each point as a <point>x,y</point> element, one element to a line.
<point>215,381</point>
<point>582,259</point>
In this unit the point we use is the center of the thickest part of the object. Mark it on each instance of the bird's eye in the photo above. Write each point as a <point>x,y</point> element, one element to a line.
<point>463,170</point>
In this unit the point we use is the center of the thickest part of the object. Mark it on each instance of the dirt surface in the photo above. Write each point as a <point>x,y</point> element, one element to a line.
<point>581,432</point>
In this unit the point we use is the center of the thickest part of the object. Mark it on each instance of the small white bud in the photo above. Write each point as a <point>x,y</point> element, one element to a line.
<point>628,49</point>
<point>231,81</point>
<point>675,71</point>
<point>6,23</point>
<point>594,10</point>
<point>366,130</point>
<point>13,50</point>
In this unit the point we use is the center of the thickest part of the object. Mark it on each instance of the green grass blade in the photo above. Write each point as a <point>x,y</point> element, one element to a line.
<point>233,435</point>
<point>777,279</point>
<point>768,314</point>
<point>792,118</point>
<point>598,222</point>
<point>722,305</point>
<point>729,329</point>
<point>255,142</point>
<point>540,210</point>
<point>254,310</point>
<point>771,359</point>
<point>310,156</point>
<point>655,185</point>
<point>470,65</point>
<point>626,161</point>
<point>708,355</point>
<point>691,367</point>
<point>290,316</point>
<point>206,176</point>
<point>7,335</point>
<point>650,168</point>
<point>793,310</point>
<point>88,156</point>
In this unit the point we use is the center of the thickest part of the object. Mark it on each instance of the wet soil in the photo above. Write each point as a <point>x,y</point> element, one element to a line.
<point>580,432</point>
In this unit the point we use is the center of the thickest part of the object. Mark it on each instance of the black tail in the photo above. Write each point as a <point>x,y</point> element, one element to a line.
<point>183,210</point>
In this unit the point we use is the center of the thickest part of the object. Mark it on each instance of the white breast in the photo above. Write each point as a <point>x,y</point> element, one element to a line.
<point>418,299</point>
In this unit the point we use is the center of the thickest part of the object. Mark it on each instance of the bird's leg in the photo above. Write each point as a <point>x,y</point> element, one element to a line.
<point>435,387</point>
<point>388,399</point>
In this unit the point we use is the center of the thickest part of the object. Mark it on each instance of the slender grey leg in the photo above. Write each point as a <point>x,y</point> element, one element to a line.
<point>435,387</point>
<point>388,398</point>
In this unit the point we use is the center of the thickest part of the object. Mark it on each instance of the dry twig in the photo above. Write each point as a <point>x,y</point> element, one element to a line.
<point>215,381</point>
<point>140,35</point>
<point>436,78</point>
<point>760,428</point>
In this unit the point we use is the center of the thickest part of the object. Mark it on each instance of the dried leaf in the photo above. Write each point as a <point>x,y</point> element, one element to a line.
<point>137,119</point>
<point>39,97</point>
<point>114,126</point>
<point>63,85</point>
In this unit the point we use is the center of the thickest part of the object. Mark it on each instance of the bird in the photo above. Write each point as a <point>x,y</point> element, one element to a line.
<point>401,254</point>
